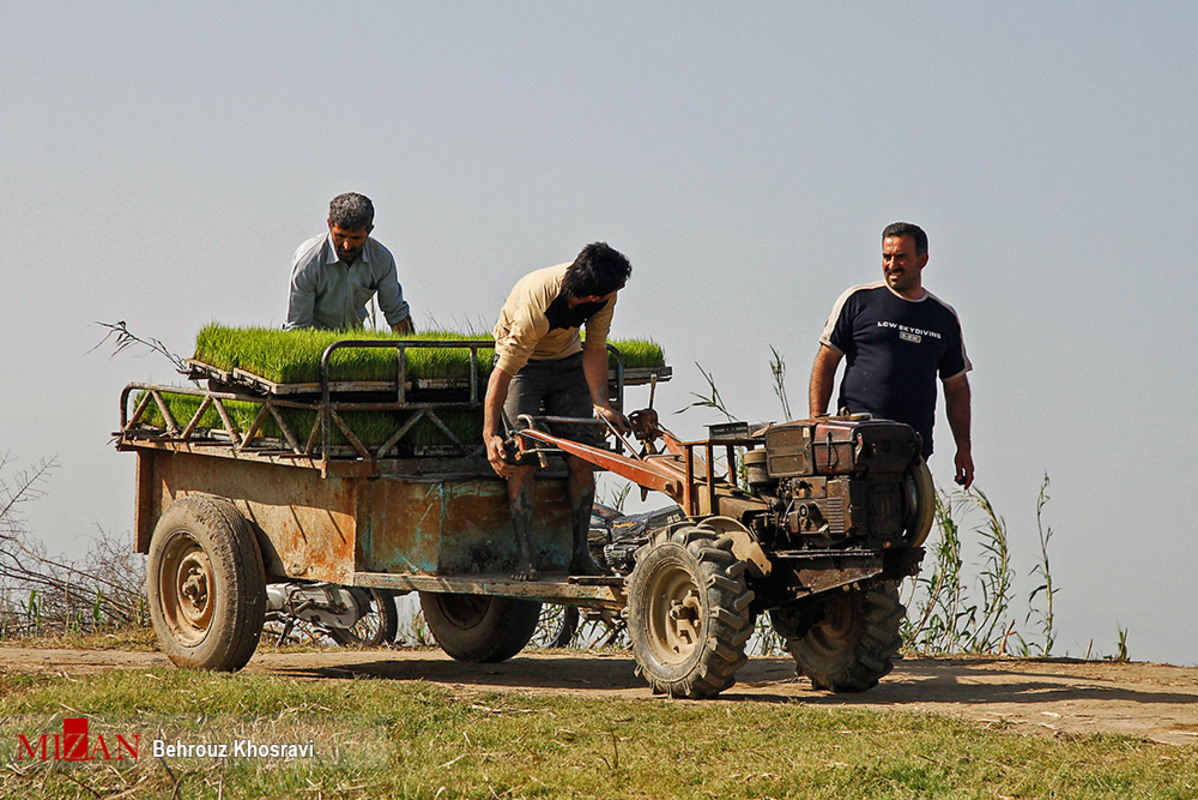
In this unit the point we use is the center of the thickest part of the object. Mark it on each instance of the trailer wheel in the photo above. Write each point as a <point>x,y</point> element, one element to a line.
<point>206,584</point>
<point>478,627</point>
<point>377,626</point>
<point>852,642</point>
<point>688,612</point>
<point>920,503</point>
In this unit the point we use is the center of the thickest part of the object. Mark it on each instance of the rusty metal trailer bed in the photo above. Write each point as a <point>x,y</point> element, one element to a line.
<point>226,513</point>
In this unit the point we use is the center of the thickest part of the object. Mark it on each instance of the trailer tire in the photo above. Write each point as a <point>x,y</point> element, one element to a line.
<point>852,642</point>
<point>376,628</point>
<point>206,584</point>
<point>479,628</point>
<point>688,612</point>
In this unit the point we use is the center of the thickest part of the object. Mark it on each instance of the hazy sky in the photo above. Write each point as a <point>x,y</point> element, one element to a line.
<point>160,162</point>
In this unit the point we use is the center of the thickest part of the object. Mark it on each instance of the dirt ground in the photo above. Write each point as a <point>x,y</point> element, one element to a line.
<point>1149,701</point>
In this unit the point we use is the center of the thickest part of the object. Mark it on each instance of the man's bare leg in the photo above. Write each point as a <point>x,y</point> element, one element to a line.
<point>521,492</point>
<point>581,487</point>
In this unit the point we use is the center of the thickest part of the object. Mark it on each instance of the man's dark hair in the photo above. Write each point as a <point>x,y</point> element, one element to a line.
<point>908,229</point>
<point>351,211</point>
<point>598,270</point>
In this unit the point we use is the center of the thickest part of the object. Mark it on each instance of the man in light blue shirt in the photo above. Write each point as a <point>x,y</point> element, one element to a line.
<point>334,275</point>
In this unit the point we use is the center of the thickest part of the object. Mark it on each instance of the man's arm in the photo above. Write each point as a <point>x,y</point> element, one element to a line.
<point>390,294</point>
<point>823,374</point>
<point>957,409</point>
<point>304,285</point>
<point>301,303</point>
<point>594,366</point>
<point>497,389</point>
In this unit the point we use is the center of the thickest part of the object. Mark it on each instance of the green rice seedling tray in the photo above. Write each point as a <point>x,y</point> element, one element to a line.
<point>280,362</point>
<point>387,397</point>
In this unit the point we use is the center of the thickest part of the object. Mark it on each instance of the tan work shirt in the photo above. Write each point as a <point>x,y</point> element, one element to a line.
<point>524,332</point>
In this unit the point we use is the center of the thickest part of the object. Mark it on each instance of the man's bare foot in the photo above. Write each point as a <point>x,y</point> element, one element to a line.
<point>529,574</point>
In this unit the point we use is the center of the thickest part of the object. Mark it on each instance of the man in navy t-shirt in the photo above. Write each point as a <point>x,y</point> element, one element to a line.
<point>897,338</point>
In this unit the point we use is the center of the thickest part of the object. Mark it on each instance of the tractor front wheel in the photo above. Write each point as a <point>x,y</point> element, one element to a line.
<point>688,612</point>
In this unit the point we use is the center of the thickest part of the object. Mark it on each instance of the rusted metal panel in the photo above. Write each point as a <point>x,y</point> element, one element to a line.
<point>225,450</point>
<point>326,528</point>
<point>148,503</point>
<point>459,527</point>
<point>822,580</point>
<point>789,449</point>
<point>836,446</point>
<point>816,573</point>
<point>306,523</point>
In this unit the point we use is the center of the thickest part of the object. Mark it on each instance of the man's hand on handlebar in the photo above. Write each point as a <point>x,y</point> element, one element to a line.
<point>613,417</point>
<point>497,456</point>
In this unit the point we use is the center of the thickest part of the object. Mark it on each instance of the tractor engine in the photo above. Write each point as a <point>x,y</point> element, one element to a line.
<point>840,482</point>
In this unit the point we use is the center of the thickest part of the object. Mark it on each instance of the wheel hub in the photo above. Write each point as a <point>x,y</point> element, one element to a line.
<point>195,577</point>
<point>188,597</point>
<point>677,620</point>
<point>195,587</point>
<point>684,616</point>
<point>688,615</point>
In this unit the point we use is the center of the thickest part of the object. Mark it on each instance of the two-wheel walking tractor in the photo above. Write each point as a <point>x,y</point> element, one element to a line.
<point>812,521</point>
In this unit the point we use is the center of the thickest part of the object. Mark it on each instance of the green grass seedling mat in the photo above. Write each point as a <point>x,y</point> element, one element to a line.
<point>290,357</point>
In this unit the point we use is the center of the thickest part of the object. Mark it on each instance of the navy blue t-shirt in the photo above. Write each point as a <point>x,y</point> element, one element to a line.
<point>894,350</point>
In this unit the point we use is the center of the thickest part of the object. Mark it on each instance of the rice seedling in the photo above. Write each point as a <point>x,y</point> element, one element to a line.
<point>712,399</point>
<point>778,370</point>
<point>294,356</point>
<point>637,353</point>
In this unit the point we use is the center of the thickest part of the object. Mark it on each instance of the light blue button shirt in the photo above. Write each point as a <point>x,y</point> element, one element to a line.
<point>327,293</point>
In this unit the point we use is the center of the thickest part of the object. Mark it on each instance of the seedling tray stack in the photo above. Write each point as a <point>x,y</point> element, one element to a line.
<point>309,394</point>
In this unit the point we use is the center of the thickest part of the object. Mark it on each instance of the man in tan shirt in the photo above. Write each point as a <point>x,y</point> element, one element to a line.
<point>543,366</point>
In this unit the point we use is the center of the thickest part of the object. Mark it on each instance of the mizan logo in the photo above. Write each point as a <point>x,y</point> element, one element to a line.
<point>76,743</point>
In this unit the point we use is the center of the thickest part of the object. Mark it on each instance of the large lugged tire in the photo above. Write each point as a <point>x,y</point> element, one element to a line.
<point>480,628</point>
<point>852,645</point>
<point>206,584</point>
<point>688,612</point>
<point>377,626</point>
